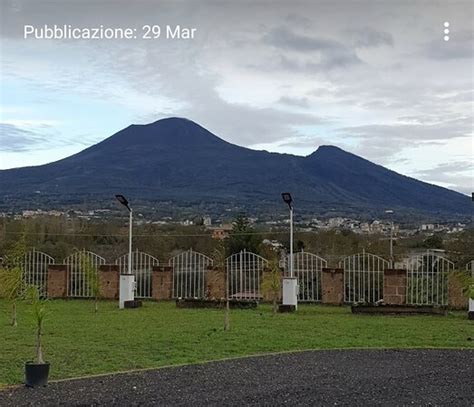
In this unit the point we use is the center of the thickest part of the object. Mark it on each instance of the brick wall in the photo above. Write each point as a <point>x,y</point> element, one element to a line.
<point>215,283</point>
<point>162,283</point>
<point>332,286</point>
<point>57,281</point>
<point>456,298</point>
<point>395,286</point>
<point>109,281</point>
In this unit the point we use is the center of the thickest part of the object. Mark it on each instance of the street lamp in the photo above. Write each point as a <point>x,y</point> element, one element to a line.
<point>390,212</point>
<point>290,284</point>
<point>127,280</point>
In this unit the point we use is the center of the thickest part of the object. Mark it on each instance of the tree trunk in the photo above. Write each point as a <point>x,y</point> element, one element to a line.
<point>39,350</point>
<point>226,316</point>
<point>14,320</point>
<point>96,305</point>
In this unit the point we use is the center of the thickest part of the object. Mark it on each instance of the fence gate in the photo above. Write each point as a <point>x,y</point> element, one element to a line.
<point>77,285</point>
<point>142,265</point>
<point>307,268</point>
<point>470,268</point>
<point>190,274</point>
<point>244,271</point>
<point>427,279</point>
<point>35,269</point>
<point>363,277</point>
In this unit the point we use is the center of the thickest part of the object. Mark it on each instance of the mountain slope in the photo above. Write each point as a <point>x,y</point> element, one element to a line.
<point>176,159</point>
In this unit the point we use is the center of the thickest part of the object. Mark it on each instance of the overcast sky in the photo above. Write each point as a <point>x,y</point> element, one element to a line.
<point>376,78</point>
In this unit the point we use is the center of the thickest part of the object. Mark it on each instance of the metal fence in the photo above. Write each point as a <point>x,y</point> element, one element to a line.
<point>142,266</point>
<point>77,283</point>
<point>307,268</point>
<point>363,277</point>
<point>470,268</point>
<point>244,272</point>
<point>427,279</point>
<point>190,274</point>
<point>35,269</point>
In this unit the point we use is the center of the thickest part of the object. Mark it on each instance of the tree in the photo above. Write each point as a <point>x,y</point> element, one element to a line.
<point>242,237</point>
<point>92,278</point>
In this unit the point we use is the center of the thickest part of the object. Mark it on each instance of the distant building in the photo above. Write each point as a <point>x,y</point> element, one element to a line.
<point>221,232</point>
<point>207,221</point>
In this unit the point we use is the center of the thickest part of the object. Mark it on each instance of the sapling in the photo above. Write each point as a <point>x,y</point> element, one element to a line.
<point>39,312</point>
<point>272,283</point>
<point>12,288</point>
<point>220,257</point>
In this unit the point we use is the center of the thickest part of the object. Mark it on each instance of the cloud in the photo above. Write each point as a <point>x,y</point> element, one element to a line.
<point>367,37</point>
<point>332,54</point>
<point>459,46</point>
<point>17,139</point>
<point>297,102</point>
<point>458,175</point>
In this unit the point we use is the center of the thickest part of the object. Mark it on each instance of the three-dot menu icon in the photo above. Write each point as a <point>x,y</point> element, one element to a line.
<point>446,30</point>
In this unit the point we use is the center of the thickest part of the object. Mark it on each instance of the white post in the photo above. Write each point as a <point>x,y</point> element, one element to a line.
<point>130,242</point>
<point>127,280</point>
<point>391,245</point>
<point>290,284</point>
<point>291,241</point>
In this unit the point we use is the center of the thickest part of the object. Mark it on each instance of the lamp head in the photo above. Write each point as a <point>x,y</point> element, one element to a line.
<point>123,201</point>
<point>287,198</point>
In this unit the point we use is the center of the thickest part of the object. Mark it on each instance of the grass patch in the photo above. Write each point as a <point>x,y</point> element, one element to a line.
<point>78,342</point>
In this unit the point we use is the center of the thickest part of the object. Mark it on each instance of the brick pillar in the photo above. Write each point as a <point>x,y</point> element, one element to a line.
<point>395,286</point>
<point>109,281</point>
<point>266,285</point>
<point>332,286</point>
<point>215,283</point>
<point>456,298</point>
<point>57,281</point>
<point>162,283</point>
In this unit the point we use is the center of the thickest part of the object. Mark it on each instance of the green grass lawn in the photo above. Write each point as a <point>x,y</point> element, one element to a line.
<point>78,342</point>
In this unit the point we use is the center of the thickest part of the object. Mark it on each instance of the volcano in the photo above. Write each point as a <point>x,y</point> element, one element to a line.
<point>178,161</point>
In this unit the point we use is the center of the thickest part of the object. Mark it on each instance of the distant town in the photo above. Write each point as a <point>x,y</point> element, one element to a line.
<point>220,228</point>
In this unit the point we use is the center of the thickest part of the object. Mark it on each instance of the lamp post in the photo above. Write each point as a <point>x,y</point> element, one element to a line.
<point>290,284</point>
<point>390,212</point>
<point>127,280</point>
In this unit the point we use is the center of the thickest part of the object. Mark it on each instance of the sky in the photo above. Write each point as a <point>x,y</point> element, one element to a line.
<point>376,78</point>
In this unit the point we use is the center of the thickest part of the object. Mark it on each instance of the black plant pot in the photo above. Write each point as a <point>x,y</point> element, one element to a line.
<point>36,374</point>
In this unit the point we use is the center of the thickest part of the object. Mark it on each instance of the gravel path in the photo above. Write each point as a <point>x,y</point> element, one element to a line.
<point>348,377</point>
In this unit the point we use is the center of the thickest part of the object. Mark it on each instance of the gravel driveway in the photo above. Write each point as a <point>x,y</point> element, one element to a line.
<point>347,377</point>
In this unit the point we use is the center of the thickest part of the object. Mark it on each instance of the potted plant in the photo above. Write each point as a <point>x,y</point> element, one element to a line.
<point>37,371</point>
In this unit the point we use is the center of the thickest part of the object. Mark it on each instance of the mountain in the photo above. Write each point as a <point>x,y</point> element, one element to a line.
<point>178,161</point>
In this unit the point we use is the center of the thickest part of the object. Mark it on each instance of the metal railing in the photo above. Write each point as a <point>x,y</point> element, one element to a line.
<point>363,277</point>
<point>244,272</point>
<point>142,266</point>
<point>427,279</point>
<point>190,274</point>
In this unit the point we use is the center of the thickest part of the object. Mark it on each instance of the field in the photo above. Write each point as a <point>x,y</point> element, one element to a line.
<point>79,342</point>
